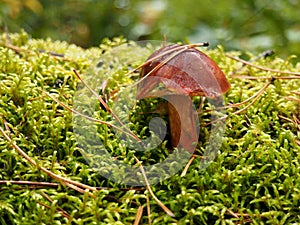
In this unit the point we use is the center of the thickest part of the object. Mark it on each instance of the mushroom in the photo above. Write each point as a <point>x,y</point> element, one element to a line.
<point>183,71</point>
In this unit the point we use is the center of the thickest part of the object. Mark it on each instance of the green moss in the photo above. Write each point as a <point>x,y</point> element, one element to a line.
<point>255,177</point>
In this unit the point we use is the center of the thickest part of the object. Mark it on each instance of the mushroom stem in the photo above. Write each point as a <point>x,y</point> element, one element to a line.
<point>183,122</point>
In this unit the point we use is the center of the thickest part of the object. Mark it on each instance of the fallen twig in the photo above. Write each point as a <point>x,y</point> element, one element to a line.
<point>60,210</point>
<point>138,215</point>
<point>187,165</point>
<point>165,208</point>
<point>64,213</point>
<point>52,54</point>
<point>261,67</point>
<point>105,105</point>
<point>73,184</point>
<point>148,209</point>
<point>88,117</point>
<point>254,97</point>
<point>30,183</point>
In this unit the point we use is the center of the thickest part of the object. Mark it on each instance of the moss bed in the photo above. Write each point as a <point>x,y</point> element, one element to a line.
<point>255,179</point>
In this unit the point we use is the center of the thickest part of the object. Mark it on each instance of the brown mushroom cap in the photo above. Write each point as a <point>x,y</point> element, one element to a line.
<point>190,72</point>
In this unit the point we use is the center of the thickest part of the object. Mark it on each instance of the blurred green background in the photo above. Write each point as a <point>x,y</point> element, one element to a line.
<point>253,25</point>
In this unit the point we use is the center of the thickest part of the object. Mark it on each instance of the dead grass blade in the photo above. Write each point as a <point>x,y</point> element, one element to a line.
<point>261,67</point>
<point>105,105</point>
<point>27,51</point>
<point>292,99</point>
<point>60,210</point>
<point>165,208</point>
<point>296,123</point>
<point>187,166</point>
<point>66,181</point>
<point>88,117</point>
<point>254,97</point>
<point>138,215</point>
<point>63,213</point>
<point>148,209</point>
<point>266,77</point>
<point>257,95</point>
<point>296,92</point>
<point>32,184</point>
<point>264,54</point>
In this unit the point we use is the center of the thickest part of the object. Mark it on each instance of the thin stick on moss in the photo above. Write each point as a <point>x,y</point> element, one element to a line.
<point>32,184</point>
<point>105,105</point>
<point>232,213</point>
<point>165,208</point>
<point>266,77</point>
<point>77,188</point>
<point>187,166</point>
<point>295,120</point>
<point>259,93</point>
<point>52,54</point>
<point>138,215</point>
<point>261,67</point>
<point>53,175</point>
<point>292,99</point>
<point>57,210</point>
<point>254,97</point>
<point>264,55</point>
<point>90,118</point>
<point>148,209</point>
<point>239,215</point>
<point>61,210</point>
